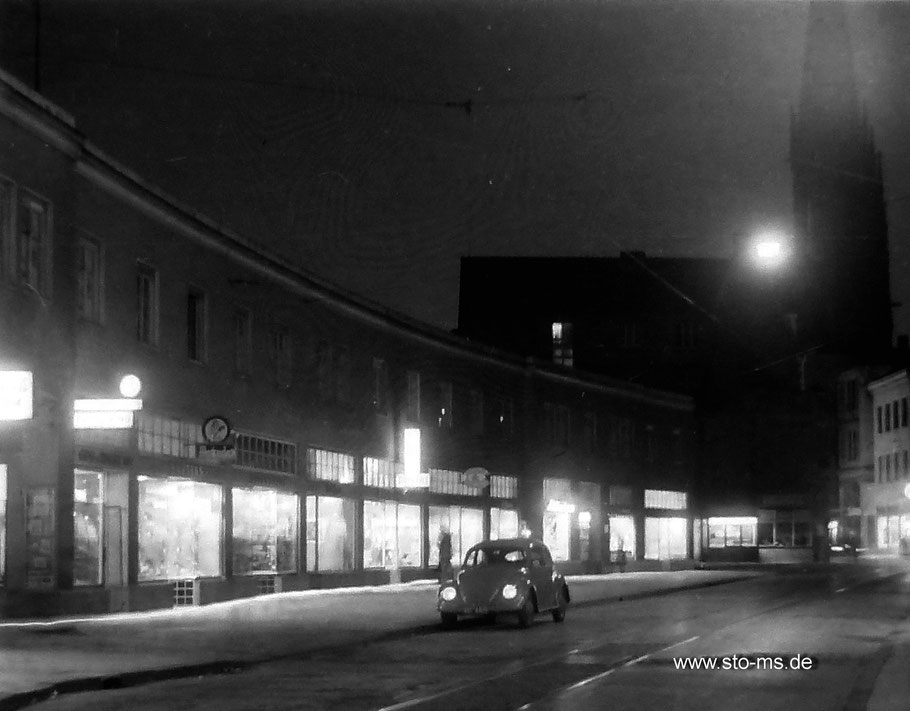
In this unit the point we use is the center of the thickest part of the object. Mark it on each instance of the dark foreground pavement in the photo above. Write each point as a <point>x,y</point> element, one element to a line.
<point>40,659</point>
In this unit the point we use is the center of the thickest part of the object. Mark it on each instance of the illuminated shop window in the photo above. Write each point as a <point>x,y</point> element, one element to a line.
<point>3,489</point>
<point>392,535</point>
<point>265,531</point>
<point>180,529</point>
<point>379,472</point>
<point>465,525</point>
<point>622,534</point>
<point>88,506</point>
<point>732,531</point>
<point>665,538</point>
<point>266,453</point>
<point>330,466</point>
<point>562,343</point>
<point>330,533</point>
<point>503,523</point>
<point>503,487</point>
<point>559,508</point>
<point>167,436</point>
<point>657,499</point>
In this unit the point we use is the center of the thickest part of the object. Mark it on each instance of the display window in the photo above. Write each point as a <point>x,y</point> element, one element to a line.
<point>622,534</point>
<point>732,531</point>
<point>665,538</point>
<point>180,529</point>
<point>465,525</point>
<point>503,523</point>
<point>392,535</point>
<point>330,525</point>
<point>557,526</point>
<point>3,490</point>
<point>265,531</point>
<point>88,507</point>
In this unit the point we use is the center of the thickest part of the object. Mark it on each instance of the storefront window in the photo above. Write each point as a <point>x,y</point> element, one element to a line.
<point>665,538</point>
<point>88,506</point>
<point>622,534</point>
<point>557,518</point>
<point>503,523</point>
<point>392,535</point>
<point>3,489</point>
<point>265,531</point>
<point>330,533</point>
<point>724,531</point>
<point>785,528</point>
<point>179,529</point>
<point>465,525</point>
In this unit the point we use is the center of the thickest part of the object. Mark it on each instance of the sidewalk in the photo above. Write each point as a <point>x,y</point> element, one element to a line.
<point>41,658</point>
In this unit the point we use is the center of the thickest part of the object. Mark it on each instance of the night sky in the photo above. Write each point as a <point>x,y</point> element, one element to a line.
<point>375,142</point>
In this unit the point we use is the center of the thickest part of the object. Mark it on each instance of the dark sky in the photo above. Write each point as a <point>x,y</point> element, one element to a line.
<point>376,141</point>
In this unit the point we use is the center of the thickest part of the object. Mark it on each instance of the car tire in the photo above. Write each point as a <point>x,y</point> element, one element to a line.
<point>559,612</point>
<point>448,620</point>
<point>526,613</point>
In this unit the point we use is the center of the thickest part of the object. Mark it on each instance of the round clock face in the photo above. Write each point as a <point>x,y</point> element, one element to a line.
<point>216,429</point>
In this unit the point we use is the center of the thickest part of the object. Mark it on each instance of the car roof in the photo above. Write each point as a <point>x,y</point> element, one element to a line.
<point>513,542</point>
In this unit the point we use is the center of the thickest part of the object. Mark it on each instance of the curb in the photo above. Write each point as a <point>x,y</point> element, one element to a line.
<point>124,680</point>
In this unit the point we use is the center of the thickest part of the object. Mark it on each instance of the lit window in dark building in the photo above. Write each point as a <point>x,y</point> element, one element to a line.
<point>195,326</point>
<point>147,305</point>
<point>562,343</point>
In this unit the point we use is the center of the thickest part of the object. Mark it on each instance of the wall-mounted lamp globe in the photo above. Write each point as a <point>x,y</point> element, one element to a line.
<point>770,251</point>
<point>130,386</point>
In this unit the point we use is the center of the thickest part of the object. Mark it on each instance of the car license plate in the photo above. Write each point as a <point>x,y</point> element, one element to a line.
<point>480,610</point>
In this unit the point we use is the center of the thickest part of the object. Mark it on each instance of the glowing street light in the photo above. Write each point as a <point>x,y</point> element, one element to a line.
<point>130,386</point>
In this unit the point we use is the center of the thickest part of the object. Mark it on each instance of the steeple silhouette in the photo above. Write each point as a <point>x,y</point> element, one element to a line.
<point>838,194</point>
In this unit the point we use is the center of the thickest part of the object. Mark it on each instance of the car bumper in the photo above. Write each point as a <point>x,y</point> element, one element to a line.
<point>498,605</point>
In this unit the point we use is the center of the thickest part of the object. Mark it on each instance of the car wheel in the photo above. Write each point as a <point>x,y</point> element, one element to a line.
<point>559,612</point>
<point>448,620</point>
<point>526,613</point>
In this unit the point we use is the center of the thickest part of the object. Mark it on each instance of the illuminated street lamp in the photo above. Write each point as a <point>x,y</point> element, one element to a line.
<point>130,386</point>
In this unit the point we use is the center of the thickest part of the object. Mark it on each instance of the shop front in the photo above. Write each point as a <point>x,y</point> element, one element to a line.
<point>571,515</point>
<point>666,525</point>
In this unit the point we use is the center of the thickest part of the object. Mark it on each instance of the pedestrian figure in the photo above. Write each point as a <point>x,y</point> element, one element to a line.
<point>445,555</point>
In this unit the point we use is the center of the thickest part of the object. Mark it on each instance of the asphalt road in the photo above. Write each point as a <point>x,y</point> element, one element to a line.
<point>620,655</point>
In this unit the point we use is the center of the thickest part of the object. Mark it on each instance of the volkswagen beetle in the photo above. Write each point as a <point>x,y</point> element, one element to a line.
<point>514,576</point>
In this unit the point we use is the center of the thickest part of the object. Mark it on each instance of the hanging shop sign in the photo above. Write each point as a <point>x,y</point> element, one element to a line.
<point>105,413</point>
<point>16,395</point>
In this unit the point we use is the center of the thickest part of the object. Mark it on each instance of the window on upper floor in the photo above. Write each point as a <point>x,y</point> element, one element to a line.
<point>324,370</point>
<point>32,246</point>
<point>476,411</point>
<point>887,409</point>
<point>444,417</point>
<point>686,335</point>
<point>380,385</point>
<point>590,433</point>
<point>878,418</point>
<point>903,412</point>
<point>280,353</point>
<point>146,305</point>
<point>630,335</point>
<point>89,280</point>
<point>243,341</point>
<point>562,343</point>
<point>195,325</point>
<point>505,416</point>
<point>412,413</point>
<point>343,374</point>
